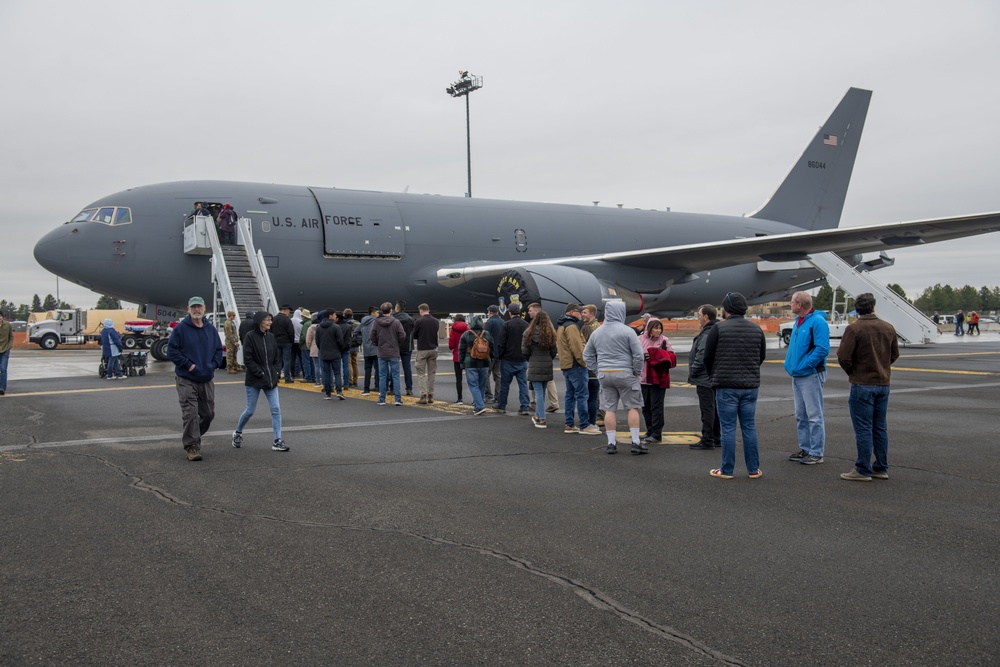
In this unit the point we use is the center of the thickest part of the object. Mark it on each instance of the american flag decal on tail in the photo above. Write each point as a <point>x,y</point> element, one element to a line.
<point>829,139</point>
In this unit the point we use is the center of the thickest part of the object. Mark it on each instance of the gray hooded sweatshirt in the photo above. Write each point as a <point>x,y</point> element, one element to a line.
<point>614,345</point>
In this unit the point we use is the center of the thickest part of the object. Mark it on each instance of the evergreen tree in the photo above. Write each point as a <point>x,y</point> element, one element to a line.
<point>50,303</point>
<point>22,312</point>
<point>824,298</point>
<point>36,305</point>
<point>107,302</point>
<point>898,289</point>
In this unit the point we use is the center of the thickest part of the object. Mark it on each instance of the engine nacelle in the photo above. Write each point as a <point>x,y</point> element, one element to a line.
<point>555,286</point>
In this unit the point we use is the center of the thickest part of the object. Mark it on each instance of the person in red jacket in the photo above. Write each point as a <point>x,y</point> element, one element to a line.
<point>458,328</point>
<point>655,379</point>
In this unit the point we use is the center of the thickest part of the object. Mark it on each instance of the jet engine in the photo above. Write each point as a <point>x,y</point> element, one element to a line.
<point>555,286</point>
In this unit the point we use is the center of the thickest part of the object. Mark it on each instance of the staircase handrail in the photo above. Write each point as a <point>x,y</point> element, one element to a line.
<point>258,268</point>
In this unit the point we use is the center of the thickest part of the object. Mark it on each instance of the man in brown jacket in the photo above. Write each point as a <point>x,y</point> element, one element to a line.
<point>867,351</point>
<point>569,341</point>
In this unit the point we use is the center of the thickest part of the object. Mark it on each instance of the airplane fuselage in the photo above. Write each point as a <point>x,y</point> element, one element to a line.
<point>327,247</point>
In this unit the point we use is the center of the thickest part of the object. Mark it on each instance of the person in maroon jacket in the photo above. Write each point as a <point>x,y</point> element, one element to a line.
<point>655,379</point>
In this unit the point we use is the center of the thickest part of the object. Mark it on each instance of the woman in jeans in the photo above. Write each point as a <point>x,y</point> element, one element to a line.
<point>539,346</point>
<point>263,361</point>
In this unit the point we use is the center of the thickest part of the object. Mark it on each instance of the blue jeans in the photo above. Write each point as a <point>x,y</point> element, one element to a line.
<point>577,395</point>
<point>539,399</point>
<point>253,393</point>
<point>958,329</point>
<point>869,405</point>
<point>808,393</point>
<point>733,404</point>
<point>286,359</point>
<point>388,370</point>
<point>331,375</point>
<point>4,358</point>
<point>114,366</point>
<point>476,379</point>
<point>345,364</point>
<point>317,369</point>
<point>307,366</point>
<point>513,369</point>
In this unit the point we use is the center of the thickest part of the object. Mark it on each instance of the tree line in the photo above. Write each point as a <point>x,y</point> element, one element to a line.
<point>945,299</point>
<point>12,311</point>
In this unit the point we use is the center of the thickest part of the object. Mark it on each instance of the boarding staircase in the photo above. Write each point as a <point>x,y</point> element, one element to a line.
<point>911,325</point>
<point>241,280</point>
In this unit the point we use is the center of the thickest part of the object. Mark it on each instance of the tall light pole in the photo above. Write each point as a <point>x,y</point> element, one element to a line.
<point>461,88</point>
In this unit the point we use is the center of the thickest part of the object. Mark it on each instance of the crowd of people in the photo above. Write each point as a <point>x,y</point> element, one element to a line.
<point>605,366</point>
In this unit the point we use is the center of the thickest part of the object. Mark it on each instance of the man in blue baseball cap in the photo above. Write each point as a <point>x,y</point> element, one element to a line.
<point>196,350</point>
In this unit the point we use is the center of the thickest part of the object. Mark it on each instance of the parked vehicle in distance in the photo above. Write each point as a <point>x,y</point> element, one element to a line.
<point>837,329</point>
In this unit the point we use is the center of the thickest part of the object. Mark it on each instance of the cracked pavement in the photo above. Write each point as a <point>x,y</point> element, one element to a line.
<point>411,536</point>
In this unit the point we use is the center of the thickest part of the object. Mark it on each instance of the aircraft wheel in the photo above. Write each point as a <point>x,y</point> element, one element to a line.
<point>49,342</point>
<point>159,349</point>
<point>147,342</point>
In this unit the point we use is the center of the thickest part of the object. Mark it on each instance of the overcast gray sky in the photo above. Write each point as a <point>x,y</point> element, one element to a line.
<point>700,107</point>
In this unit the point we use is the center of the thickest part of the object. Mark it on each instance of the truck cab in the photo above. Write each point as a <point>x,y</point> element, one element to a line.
<point>67,326</point>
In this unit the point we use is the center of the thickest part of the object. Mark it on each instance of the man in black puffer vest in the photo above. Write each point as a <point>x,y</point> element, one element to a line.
<point>734,350</point>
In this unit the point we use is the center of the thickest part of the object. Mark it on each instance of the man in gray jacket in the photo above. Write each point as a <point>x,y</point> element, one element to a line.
<point>699,376</point>
<point>617,355</point>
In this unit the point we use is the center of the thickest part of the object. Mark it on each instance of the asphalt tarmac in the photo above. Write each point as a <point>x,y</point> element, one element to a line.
<point>425,536</point>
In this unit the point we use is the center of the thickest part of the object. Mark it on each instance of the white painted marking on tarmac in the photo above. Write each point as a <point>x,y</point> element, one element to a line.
<point>224,434</point>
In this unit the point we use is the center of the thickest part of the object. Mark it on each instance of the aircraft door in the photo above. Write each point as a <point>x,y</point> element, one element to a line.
<point>360,224</point>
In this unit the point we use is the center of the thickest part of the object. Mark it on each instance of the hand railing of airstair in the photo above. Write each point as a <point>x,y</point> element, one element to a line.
<point>257,267</point>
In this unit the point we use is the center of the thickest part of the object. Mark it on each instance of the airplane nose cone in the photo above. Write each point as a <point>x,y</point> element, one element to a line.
<point>57,253</point>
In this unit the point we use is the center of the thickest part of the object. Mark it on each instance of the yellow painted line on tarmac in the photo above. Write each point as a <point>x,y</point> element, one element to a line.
<point>675,438</point>
<point>944,371</point>
<point>90,390</point>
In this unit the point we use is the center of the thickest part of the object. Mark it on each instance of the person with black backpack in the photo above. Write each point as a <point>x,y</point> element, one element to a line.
<point>352,379</point>
<point>475,349</point>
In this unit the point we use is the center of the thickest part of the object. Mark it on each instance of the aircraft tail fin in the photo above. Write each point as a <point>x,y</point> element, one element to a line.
<point>812,195</point>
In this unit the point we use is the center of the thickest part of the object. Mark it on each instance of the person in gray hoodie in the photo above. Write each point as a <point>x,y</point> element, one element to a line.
<point>617,355</point>
<point>388,336</point>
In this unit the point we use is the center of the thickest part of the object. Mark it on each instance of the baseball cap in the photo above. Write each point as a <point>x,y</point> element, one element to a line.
<point>196,301</point>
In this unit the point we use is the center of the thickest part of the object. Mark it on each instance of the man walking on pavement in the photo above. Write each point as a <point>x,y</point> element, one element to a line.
<point>196,351</point>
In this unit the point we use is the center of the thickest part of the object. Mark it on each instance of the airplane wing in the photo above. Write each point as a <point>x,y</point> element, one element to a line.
<point>794,246</point>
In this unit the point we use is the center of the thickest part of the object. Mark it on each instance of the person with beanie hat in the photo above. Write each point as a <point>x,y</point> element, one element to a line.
<point>734,350</point>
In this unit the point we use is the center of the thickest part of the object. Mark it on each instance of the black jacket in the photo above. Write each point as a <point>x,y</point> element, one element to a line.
<point>407,323</point>
<point>283,329</point>
<point>330,340</point>
<point>511,338</point>
<point>261,357</point>
<point>734,350</point>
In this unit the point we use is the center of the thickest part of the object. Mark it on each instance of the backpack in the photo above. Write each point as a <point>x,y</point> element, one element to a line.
<point>480,347</point>
<point>356,340</point>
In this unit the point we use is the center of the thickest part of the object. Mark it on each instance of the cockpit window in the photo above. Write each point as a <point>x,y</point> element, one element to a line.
<point>109,215</point>
<point>123,216</point>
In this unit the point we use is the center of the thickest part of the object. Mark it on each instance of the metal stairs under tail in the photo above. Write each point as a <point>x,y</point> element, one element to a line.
<point>911,325</point>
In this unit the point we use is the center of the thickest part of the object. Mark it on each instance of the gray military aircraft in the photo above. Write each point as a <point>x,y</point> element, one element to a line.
<point>333,247</point>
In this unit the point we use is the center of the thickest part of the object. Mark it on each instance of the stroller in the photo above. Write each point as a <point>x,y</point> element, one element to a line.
<point>133,363</point>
